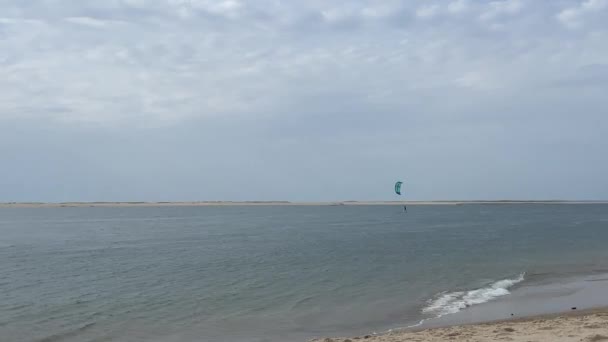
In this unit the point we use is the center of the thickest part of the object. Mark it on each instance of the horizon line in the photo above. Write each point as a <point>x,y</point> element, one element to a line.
<point>284,202</point>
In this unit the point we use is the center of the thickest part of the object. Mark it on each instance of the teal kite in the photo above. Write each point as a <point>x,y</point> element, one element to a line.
<point>398,188</point>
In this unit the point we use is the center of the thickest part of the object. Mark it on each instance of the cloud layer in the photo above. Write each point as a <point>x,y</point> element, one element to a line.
<point>507,96</point>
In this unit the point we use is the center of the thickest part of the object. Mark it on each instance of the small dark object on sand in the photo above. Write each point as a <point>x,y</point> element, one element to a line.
<point>367,336</point>
<point>595,338</point>
<point>574,308</point>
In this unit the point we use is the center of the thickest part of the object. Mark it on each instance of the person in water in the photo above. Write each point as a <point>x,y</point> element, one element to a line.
<point>404,208</point>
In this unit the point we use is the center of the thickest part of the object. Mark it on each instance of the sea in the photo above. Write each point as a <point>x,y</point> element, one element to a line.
<point>281,273</point>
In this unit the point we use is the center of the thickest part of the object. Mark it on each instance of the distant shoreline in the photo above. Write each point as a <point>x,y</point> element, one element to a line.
<point>277,203</point>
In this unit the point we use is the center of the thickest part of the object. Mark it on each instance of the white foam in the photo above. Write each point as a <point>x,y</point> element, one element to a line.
<point>452,302</point>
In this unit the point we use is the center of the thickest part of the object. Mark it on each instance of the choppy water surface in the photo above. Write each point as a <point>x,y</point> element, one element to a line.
<point>284,273</point>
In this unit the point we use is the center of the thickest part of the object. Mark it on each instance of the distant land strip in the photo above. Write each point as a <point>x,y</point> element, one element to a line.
<point>281,203</point>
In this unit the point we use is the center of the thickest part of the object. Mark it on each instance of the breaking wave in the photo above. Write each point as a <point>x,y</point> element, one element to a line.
<point>452,302</point>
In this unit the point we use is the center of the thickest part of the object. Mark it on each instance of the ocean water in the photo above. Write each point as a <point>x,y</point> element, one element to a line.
<point>284,273</point>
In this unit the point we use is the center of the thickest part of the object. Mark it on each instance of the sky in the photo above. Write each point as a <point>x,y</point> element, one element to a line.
<point>181,100</point>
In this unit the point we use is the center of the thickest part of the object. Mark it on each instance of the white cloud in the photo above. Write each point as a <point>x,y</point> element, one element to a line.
<point>232,58</point>
<point>458,6</point>
<point>378,11</point>
<point>471,80</point>
<point>18,21</point>
<point>227,8</point>
<point>224,8</point>
<point>427,11</point>
<point>574,17</point>
<point>87,21</point>
<point>347,84</point>
<point>502,7</point>
<point>595,5</point>
<point>333,15</point>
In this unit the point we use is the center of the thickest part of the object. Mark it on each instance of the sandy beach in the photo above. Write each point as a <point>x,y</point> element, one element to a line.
<point>563,310</point>
<point>586,326</point>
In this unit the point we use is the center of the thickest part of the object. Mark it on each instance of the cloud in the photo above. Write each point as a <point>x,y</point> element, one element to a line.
<point>587,76</point>
<point>458,6</point>
<point>92,22</point>
<point>501,7</point>
<point>225,8</point>
<point>427,11</point>
<point>574,17</point>
<point>229,58</point>
<point>276,89</point>
<point>471,80</point>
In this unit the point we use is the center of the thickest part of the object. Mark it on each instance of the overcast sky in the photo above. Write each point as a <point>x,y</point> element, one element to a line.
<point>163,100</point>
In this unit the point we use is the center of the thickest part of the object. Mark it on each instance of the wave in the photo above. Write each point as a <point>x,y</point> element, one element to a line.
<point>451,302</point>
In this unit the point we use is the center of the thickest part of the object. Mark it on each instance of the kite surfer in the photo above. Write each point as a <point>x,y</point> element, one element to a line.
<point>398,192</point>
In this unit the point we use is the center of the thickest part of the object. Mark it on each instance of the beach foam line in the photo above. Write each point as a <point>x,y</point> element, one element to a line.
<point>446,303</point>
<point>452,302</point>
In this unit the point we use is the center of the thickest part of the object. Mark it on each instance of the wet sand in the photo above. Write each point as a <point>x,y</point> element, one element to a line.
<point>586,326</point>
<point>570,309</point>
